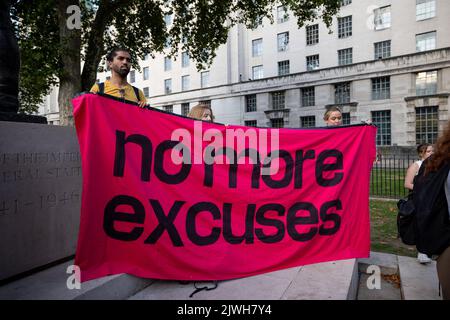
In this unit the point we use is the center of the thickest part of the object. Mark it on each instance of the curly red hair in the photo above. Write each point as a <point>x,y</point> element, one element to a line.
<point>441,155</point>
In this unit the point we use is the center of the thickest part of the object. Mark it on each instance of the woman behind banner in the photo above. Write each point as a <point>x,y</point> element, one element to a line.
<point>424,151</point>
<point>201,112</point>
<point>333,116</point>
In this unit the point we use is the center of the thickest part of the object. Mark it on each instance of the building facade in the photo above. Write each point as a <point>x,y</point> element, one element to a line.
<point>384,60</point>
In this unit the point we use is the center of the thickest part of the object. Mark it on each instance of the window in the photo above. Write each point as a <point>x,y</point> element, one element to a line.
<point>258,22</point>
<point>185,109</point>
<point>205,103</point>
<point>283,41</point>
<point>308,121</point>
<point>257,72</point>
<point>345,56</point>
<point>146,57</point>
<point>168,86</point>
<point>426,124</point>
<point>382,49</point>
<point>185,83</point>
<point>257,48</point>
<point>312,62</point>
<point>250,103</point>
<point>425,9</point>
<point>167,43</point>
<point>168,19</point>
<point>168,108</point>
<point>132,76</point>
<point>426,41</point>
<point>184,59</point>
<point>250,123</point>
<point>382,119</point>
<point>167,64</point>
<point>345,118</point>
<point>277,123</point>
<point>204,79</point>
<point>282,15</point>
<point>426,83</point>
<point>146,73</point>
<point>345,2</point>
<point>278,100</point>
<point>312,35</point>
<point>381,88</point>
<point>382,18</point>
<point>283,68</point>
<point>344,27</point>
<point>308,97</point>
<point>342,93</point>
<point>146,92</point>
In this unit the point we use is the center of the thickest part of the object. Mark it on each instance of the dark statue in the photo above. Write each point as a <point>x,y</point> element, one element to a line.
<point>9,70</point>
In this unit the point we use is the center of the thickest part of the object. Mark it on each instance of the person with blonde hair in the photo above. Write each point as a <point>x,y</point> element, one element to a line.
<point>333,116</point>
<point>201,112</point>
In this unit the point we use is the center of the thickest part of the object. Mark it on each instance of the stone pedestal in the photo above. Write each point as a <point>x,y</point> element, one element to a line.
<point>40,195</point>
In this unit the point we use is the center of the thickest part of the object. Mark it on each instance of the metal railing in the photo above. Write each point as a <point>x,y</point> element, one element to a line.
<point>388,176</point>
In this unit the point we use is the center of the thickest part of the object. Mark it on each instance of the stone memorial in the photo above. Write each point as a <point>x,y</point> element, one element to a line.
<point>40,195</point>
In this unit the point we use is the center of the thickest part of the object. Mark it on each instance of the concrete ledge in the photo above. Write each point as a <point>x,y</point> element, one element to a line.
<point>388,263</point>
<point>324,281</point>
<point>336,280</point>
<point>52,284</point>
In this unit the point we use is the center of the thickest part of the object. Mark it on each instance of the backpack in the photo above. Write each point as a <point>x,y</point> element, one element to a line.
<point>101,89</point>
<point>431,216</point>
<point>406,220</point>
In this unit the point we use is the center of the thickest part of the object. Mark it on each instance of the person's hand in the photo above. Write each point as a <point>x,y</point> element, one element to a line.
<point>142,104</point>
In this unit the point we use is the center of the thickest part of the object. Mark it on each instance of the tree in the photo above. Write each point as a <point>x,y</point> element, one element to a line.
<point>51,52</point>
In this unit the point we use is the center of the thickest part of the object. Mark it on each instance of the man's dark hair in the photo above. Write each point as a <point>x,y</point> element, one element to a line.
<point>110,56</point>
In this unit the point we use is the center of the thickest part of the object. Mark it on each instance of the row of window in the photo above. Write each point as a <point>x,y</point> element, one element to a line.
<point>426,124</point>
<point>425,9</point>
<point>424,42</point>
<point>426,84</point>
<point>185,83</point>
<point>185,108</point>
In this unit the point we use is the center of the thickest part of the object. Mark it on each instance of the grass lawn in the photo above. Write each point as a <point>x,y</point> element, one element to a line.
<point>383,221</point>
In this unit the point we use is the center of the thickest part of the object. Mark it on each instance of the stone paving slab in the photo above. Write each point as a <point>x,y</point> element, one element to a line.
<point>419,281</point>
<point>51,284</point>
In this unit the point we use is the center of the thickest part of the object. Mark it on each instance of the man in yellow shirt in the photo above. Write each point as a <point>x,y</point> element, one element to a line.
<point>119,62</point>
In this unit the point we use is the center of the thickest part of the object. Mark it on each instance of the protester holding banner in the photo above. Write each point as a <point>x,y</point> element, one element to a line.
<point>201,112</point>
<point>333,116</point>
<point>119,62</point>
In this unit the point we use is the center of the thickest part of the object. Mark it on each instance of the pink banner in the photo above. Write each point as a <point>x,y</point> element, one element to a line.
<point>234,202</point>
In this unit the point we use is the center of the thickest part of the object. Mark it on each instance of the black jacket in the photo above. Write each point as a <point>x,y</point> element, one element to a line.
<point>432,220</point>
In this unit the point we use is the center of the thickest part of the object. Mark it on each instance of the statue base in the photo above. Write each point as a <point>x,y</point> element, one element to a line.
<point>19,117</point>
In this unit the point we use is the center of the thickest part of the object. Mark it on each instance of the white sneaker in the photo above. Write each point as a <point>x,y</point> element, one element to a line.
<point>423,258</point>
